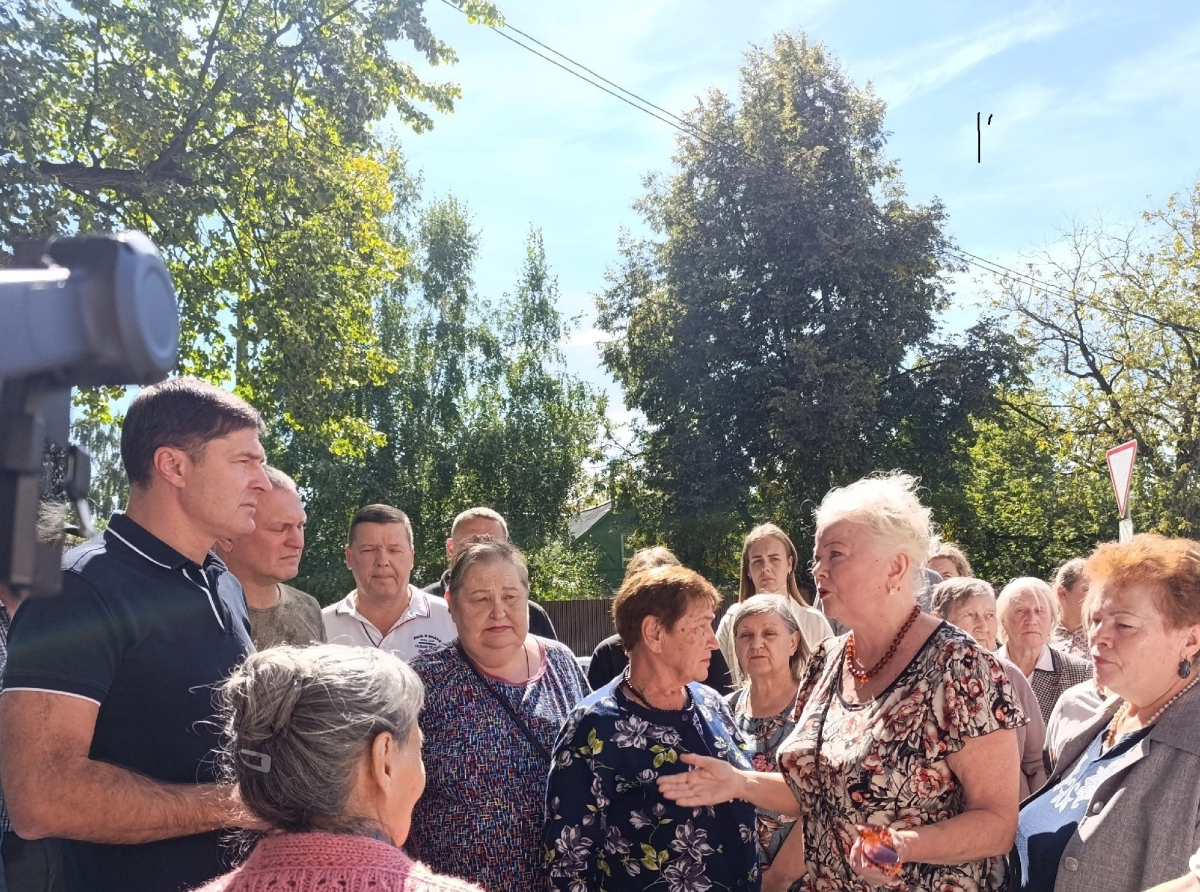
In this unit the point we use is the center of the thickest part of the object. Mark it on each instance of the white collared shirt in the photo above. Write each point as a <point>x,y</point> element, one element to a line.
<point>425,626</point>
<point>1045,662</point>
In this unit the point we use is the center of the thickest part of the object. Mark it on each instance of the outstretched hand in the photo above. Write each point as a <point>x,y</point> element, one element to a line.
<point>709,782</point>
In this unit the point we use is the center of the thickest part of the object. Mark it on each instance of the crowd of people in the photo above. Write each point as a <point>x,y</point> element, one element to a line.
<point>182,718</point>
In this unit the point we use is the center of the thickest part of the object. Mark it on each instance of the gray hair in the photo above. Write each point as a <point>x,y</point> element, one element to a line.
<point>280,480</point>
<point>1016,591</point>
<point>780,606</point>
<point>298,722</point>
<point>947,595</point>
<point>888,506</point>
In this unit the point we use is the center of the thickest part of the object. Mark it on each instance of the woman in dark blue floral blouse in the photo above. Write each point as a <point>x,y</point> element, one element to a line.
<point>607,826</point>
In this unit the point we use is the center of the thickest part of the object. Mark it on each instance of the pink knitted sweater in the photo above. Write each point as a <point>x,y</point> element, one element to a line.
<point>320,862</point>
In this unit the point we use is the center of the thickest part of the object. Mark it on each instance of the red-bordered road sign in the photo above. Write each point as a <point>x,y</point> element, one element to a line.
<point>1120,471</point>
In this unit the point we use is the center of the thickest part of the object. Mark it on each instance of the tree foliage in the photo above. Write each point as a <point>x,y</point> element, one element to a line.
<point>779,330</point>
<point>1117,352</point>
<point>1028,504</point>
<point>477,410</point>
<point>239,137</point>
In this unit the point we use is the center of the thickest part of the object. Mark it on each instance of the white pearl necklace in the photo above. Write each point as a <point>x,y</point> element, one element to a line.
<point>1124,712</point>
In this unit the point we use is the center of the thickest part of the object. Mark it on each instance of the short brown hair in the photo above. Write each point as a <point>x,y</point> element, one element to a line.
<point>954,555</point>
<point>484,550</point>
<point>379,514</point>
<point>949,593</point>
<point>665,593</point>
<point>182,413</point>
<point>1169,568</point>
<point>479,514</point>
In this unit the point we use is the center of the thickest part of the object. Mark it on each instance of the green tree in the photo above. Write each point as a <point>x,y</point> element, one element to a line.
<point>239,137</point>
<point>779,330</point>
<point>1117,341</point>
<point>1029,504</point>
<point>477,408</point>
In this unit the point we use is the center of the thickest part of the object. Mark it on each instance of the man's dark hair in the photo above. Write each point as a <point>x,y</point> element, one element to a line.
<point>379,514</point>
<point>182,413</point>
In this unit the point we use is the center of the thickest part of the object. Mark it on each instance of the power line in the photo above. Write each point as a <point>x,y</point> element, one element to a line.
<point>648,107</point>
<point>1062,294</point>
<point>634,100</point>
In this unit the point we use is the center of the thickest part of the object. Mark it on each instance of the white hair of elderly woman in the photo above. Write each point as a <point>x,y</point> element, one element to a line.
<point>1020,589</point>
<point>298,722</point>
<point>887,504</point>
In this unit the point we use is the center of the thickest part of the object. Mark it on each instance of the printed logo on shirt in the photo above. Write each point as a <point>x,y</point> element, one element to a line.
<point>427,643</point>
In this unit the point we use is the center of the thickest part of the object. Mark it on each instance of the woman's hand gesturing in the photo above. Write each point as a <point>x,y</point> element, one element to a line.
<point>709,782</point>
<point>862,864</point>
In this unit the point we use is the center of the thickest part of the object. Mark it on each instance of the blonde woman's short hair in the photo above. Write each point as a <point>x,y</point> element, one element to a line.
<point>888,506</point>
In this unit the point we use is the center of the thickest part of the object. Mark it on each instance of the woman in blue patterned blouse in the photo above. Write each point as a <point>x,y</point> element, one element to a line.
<point>607,826</point>
<point>495,701</point>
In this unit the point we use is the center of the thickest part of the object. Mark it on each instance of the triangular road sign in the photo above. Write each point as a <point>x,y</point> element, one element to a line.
<point>1120,471</point>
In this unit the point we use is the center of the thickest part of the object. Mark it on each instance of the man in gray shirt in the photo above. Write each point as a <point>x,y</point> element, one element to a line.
<point>265,559</point>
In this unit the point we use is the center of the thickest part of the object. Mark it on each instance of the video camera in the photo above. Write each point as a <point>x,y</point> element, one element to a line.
<point>74,312</point>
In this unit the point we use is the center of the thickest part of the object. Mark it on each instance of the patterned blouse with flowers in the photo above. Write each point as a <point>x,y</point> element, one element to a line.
<point>883,762</point>
<point>763,737</point>
<point>608,829</point>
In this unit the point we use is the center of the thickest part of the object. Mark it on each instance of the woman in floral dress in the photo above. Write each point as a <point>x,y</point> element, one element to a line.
<point>904,763</point>
<point>607,827</point>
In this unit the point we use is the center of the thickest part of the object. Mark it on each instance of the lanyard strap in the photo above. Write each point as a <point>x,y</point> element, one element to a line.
<point>521,724</point>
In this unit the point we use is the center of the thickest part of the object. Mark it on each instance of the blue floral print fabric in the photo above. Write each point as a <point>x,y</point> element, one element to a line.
<point>607,826</point>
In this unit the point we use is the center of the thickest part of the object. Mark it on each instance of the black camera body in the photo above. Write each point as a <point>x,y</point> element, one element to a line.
<point>85,311</point>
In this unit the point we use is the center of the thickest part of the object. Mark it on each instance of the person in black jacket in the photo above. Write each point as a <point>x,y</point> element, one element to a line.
<point>486,522</point>
<point>609,658</point>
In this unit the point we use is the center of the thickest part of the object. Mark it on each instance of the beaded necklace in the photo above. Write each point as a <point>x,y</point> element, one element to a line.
<point>1124,712</point>
<point>865,675</point>
<point>687,696</point>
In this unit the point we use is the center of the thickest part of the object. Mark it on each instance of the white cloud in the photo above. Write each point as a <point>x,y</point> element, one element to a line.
<point>1166,74</point>
<point>587,337</point>
<point>932,65</point>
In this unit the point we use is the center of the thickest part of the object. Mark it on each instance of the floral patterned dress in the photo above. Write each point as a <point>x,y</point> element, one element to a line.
<point>883,762</point>
<point>763,737</point>
<point>607,826</point>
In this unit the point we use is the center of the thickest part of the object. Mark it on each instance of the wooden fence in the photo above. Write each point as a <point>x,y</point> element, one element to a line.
<point>581,625</point>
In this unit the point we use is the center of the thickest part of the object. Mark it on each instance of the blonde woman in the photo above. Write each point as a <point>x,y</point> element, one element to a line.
<point>904,761</point>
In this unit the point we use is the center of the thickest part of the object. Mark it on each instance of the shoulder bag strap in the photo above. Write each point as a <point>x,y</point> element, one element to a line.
<point>521,724</point>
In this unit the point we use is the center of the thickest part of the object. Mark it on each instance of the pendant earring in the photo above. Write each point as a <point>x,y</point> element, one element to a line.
<point>1185,668</point>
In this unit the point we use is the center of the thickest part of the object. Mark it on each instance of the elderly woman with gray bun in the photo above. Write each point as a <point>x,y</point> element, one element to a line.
<point>1028,612</point>
<point>324,746</point>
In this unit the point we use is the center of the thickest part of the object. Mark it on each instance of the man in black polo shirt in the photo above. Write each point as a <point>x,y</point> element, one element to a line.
<point>106,719</point>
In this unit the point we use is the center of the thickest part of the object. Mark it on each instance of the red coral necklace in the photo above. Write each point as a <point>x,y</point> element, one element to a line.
<point>865,675</point>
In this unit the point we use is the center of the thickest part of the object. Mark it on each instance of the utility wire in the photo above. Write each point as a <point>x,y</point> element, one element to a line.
<point>647,107</point>
<point>684,126</point>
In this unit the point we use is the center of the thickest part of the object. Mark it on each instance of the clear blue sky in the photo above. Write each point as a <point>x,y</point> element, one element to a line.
<point>1096,114</point>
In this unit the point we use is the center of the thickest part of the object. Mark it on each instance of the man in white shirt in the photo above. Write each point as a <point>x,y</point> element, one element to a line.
<point>385,610</point>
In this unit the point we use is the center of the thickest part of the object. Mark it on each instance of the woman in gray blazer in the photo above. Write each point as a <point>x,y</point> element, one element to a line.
<point>1121,810</point>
